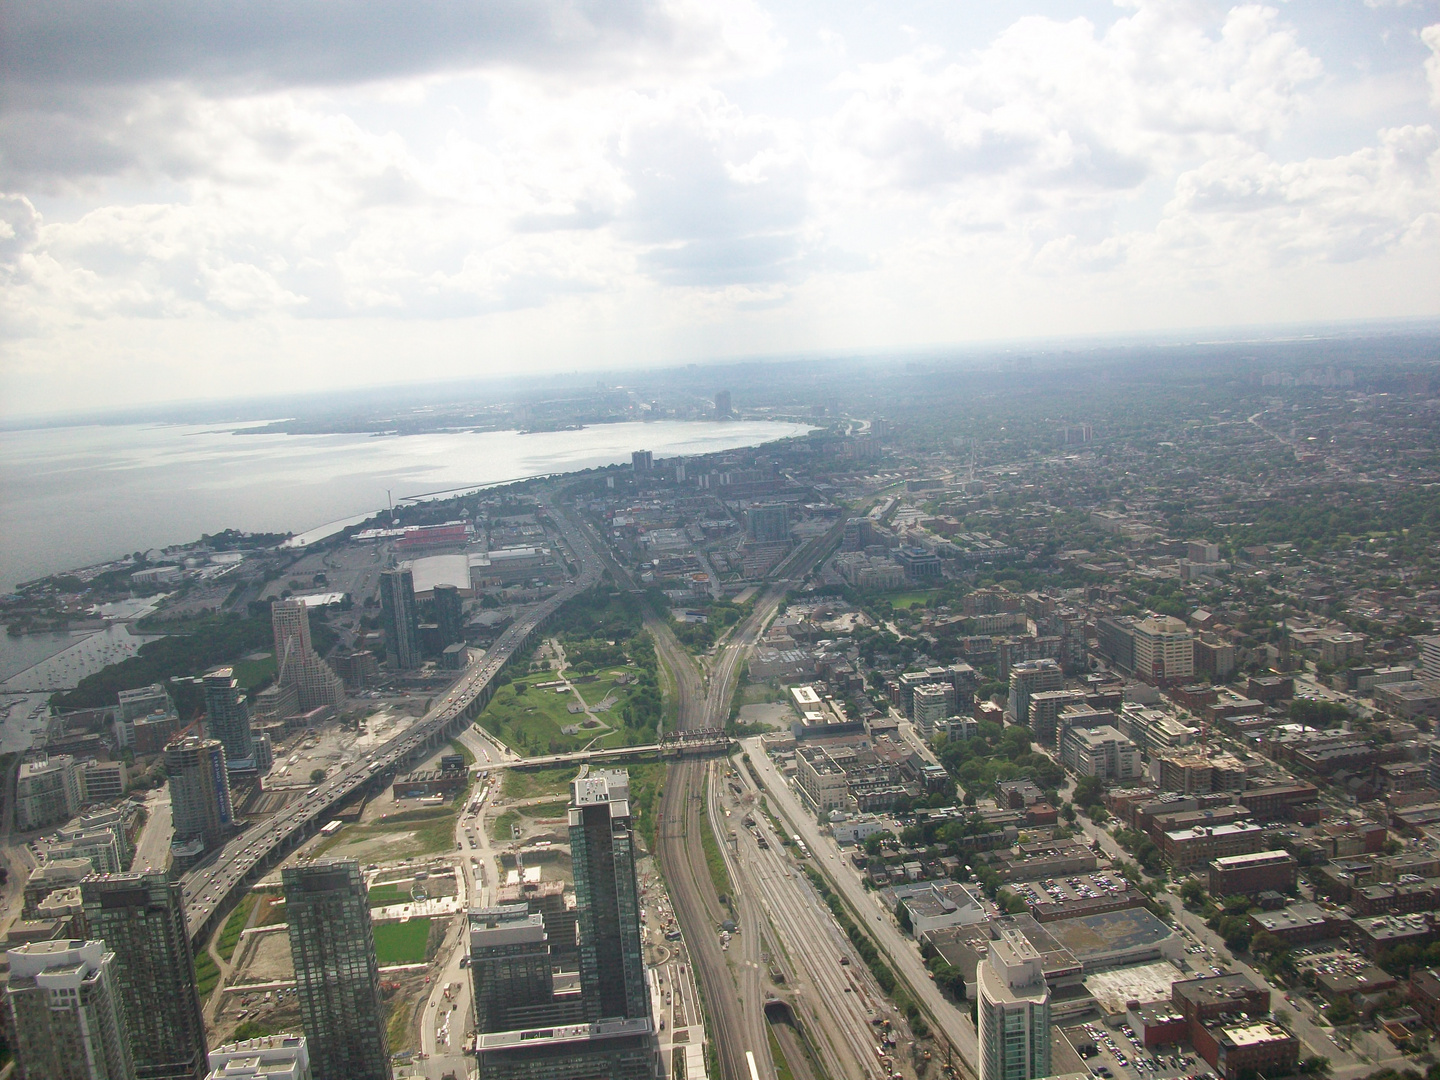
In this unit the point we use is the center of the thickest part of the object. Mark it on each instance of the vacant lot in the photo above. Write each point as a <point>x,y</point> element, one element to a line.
<point>397,836</point>
<point>534,783</point>
<point>402,942</point>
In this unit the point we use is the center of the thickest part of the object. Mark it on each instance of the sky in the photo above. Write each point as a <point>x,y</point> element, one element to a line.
<point>210,198</point>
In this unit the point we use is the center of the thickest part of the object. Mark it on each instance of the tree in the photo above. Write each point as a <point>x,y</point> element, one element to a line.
<point>1088,792</point>
<point>316,775</point>
<point>1265,943</point>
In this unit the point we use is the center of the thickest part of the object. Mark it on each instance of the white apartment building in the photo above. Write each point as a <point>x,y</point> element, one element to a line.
<point>1100,751</point>
<point>47,791</point>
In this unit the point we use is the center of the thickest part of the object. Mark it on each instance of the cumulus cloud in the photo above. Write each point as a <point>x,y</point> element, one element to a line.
<point>572,171</point>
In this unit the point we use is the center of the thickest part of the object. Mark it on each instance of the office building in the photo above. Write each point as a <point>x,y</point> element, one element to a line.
<point>604,1050</point>
<point>47,790</point>
<point>400,619</point>
<point>1116,641</point>
<point>337,977</point>
<point>1013,1013</point>
<point>296,662</point>
<point>66,1014</point>
<point>228,718</point>
<point>607,903</point>
<point>102,781</point>
<point>140,918</point>
<point>1164,650</point>
<point>449,615</point>
<point>199,793</point>
<point>270,1057</point>
<point>1235,875</point>
<point>722,404</point>
<point>768,523</point>
<point>511,970</point>
<point>1429,657</point>
<point>134,704</point>
<point>1028,678</point>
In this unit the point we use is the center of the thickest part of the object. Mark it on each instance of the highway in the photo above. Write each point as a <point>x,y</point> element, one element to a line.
<point>210,890</point>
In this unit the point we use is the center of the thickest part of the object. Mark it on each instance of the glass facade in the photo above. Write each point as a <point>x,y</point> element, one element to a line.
<point>337,977</point>
<point>141,920</point>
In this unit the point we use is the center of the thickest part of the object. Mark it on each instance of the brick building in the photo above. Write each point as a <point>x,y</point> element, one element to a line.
<point>1260,870</point>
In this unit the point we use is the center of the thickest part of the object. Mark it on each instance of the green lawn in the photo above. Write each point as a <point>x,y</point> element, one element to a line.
<point>547,810</point>
<point>595,692</point>
<point>500,827</point>
<point>252,672</point>
<point>910,599</point>
<point>530,722</point>
<point>401,942</point>
<point>464,751</point>
<point>392,893</point>
<point>230,934</point>
<point>206,974</point>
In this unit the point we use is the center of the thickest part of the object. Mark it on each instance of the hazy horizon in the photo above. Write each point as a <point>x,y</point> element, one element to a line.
<point>207,200</point>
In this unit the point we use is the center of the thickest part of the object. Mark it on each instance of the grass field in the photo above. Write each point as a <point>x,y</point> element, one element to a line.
<point>230,933</point>
<point>272,910</point>
<point>530,721</point>
<point>556,809</point>
<point>595,692</point>
<point>910,599</point>
<point>401,942</point>
<point>533,783</point>
<point>251,672</point>
<point>393,893</point>
<point>500,827</point>
<point>206,973</point>
<point>464,751</point>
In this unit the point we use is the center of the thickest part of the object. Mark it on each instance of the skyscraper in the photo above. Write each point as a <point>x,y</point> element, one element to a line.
<point>1028,678</point>
<point>1013,1011</point>
<point>722,404</point>
<point>333,948</point>
<point>768,523</point>
<point>510,968</point>
<point>642,461</point>
<point>228,718</point>
<point>66,1013</point>
<point>296,662</point>
<point>618,1041</point>
<point>449,615</point>
<point>199,792</point>
<point>141,919</point>
<point>607,901</point>
<point>400,619</point>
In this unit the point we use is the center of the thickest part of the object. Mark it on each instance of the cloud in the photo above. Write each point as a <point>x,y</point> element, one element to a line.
<point>255,45</point>
<point>1431,37</point>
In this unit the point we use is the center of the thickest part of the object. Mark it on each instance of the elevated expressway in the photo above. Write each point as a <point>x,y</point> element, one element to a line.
<point>212,889</point>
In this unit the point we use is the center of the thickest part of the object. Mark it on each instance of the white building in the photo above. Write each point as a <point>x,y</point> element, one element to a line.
<point>66,1013</point>
<point>1100,751</point>
<point>47,791</point>
<point>271,1057</point>
<point>1013,1012</point>
<point>1164,650</point>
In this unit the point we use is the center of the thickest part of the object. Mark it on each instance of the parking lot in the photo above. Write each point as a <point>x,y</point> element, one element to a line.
<point>1120,1056</point>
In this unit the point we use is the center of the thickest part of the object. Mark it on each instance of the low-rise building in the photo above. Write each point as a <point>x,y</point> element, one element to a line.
<point>1233,875</point>
<point>1195,847</point>
<point>1253,1048</point>
<point>1301,923</point>
<point>270,1057</point>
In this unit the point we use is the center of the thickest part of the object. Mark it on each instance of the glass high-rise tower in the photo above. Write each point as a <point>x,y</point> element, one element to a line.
<point>614,1037</point>
<point>607,900</point>
<point>1013,1011</point>
<point>400,618</point>
<point>228,718</point>
<point>141,919</point>
<point>332,946</point>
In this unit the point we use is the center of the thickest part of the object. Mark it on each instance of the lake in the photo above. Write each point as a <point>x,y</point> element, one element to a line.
<point>71,497</point>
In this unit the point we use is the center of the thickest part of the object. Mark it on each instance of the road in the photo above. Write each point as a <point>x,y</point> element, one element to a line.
<point>210,890</point>
<point>949,1021</point>
<point>153,848</point>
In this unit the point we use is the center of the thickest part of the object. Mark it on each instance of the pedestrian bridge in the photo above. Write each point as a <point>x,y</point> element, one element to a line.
<point>676,745</point>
